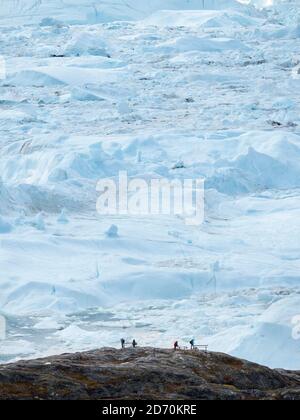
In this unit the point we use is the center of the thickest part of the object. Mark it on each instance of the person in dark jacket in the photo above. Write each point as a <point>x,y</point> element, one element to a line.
<point>176,345</point>
<point>192,343</point>
<point>123,343</point>
<point>134,344</point>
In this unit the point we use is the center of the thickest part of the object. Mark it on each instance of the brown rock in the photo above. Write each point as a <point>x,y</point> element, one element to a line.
<point>145,373</point>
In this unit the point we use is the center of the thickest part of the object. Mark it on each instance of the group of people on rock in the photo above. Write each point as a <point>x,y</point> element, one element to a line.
<point>176,344</point>
<point>192,344</point>
<point>123,343</point>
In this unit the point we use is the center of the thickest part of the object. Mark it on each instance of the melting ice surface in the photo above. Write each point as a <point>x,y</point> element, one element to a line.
<point>94,89</point>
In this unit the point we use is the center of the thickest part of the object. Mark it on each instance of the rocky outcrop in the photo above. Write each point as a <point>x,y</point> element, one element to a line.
<point>145,373</point>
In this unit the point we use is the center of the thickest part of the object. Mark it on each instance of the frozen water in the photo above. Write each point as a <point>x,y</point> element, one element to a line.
<point>51,12</point>
<point>5,227</point>
<point>175,89</point>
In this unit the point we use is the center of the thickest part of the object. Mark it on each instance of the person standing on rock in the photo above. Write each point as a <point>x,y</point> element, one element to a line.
<point>176,345</point>
<point>123,343</point>
<point>134,344</point>
<point>192,343</point>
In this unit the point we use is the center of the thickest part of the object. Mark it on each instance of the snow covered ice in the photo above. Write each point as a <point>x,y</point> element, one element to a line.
<point>162,88</point>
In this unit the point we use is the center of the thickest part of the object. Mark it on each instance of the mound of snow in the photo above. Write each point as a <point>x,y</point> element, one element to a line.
<point>272,341</point>
<point>35,297</point>
<point>74,76</point>
<point>155,284</point>
<point>289,32</point>
<point>283,311</point>
<point>76,157</point>
<point>253,172</point>
<point>86,43</point>
<point>269,341</point>
<point>193,43</point>
<point>32,78</point>
<point>200,18</point>
<point>74,332</point>
<point>47,324</point>
<point>266,171</point>
<point>84,95</point>
<point>270,344</point>
<point>15,116</point>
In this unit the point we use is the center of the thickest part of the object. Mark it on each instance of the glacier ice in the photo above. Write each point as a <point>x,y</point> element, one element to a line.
<point>181,89</point>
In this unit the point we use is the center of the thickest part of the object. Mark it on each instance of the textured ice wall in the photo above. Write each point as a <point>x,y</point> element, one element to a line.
<point>78,11</point>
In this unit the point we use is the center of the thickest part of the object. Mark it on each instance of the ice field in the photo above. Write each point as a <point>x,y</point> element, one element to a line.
<point>165,88</point>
